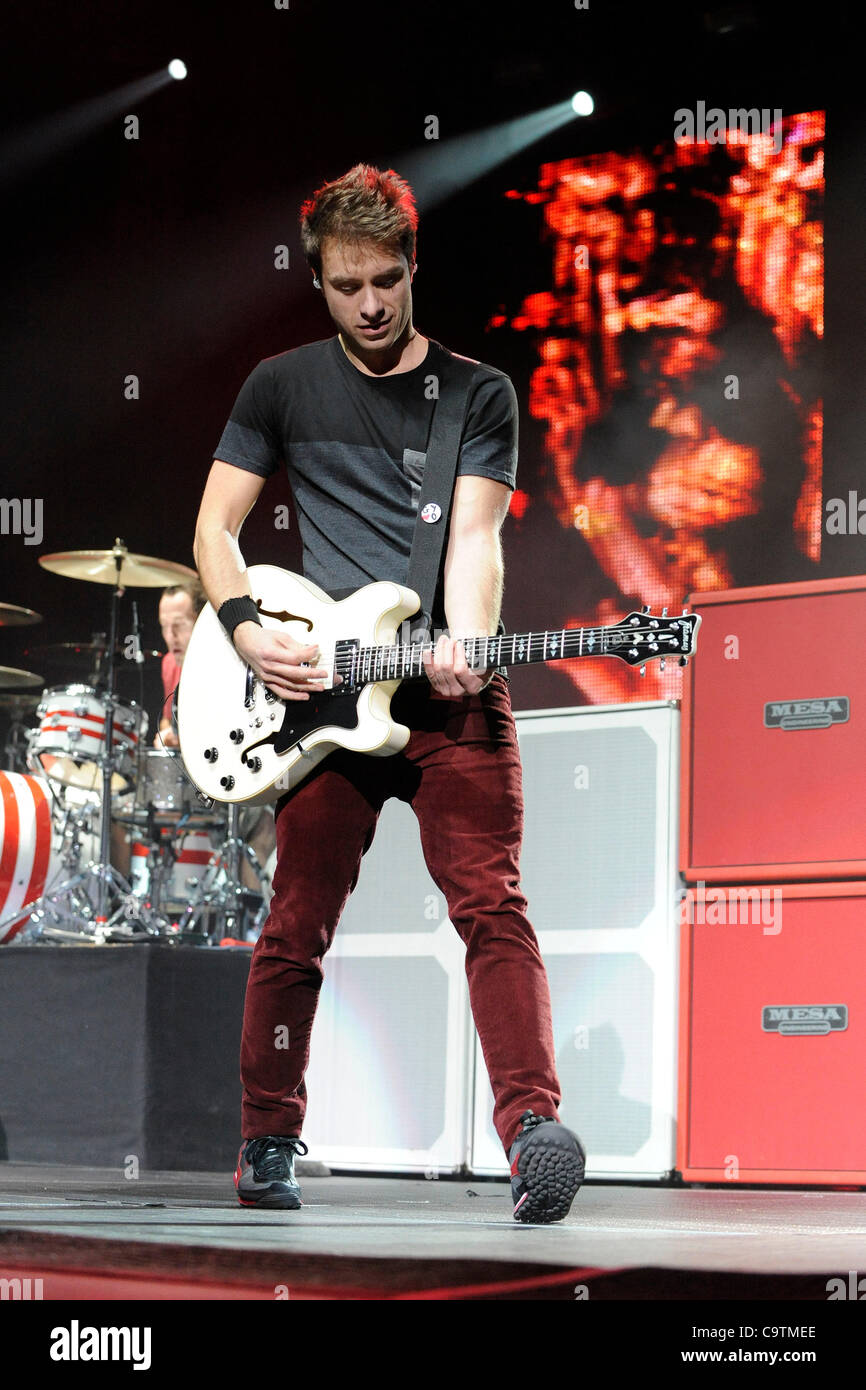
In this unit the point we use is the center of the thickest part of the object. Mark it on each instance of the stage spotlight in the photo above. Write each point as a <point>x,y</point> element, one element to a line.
<point>582,104</point>
<point>46,139</point>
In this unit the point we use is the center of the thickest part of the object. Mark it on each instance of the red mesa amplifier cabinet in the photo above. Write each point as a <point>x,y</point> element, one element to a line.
<point>773,1034</point>
<point>774,735</point>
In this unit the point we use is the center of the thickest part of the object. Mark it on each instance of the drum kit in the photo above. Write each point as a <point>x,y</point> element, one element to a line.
<point>84,767</point>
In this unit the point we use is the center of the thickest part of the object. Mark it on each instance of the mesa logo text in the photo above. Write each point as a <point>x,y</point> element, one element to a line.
<point>807,714</point>
<point>77,1343</point>
<point>797,1019</point>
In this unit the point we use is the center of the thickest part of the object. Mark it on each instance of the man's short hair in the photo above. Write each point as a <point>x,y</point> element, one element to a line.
<point>365,205</point>
<point>194,591</point>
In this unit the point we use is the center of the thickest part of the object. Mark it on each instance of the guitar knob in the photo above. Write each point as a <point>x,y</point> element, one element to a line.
<point>210,755</point>
<point>236,735</point>
<point>254,764</point>
<point>227,782</point>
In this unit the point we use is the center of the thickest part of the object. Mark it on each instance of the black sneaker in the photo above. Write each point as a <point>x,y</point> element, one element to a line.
<point>547,1167</point>
<point>265,1175</point>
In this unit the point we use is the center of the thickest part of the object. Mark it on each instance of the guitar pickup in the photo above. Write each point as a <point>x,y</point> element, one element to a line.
<point>346,658</point>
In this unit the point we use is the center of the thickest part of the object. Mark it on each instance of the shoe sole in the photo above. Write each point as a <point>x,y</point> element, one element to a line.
<point>286,1201</point>
<point>274,1203</point>
<point>552,1169</point>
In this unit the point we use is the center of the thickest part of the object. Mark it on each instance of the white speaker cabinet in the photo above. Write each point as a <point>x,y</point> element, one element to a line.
<point>396,1081</point>
<point>599,868</point>
<point>389,1082</point>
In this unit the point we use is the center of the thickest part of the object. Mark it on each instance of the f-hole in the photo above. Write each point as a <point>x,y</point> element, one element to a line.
<point>283,616</point>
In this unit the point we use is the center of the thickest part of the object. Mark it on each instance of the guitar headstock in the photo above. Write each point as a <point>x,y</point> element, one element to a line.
<point>640,637</point>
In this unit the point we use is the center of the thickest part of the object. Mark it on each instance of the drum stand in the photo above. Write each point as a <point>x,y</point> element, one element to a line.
<point>235,909</point>
<point>15,749</point>
<point>65,911</point>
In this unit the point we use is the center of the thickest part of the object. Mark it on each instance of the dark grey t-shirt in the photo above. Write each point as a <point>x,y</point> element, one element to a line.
<point>354,447</point>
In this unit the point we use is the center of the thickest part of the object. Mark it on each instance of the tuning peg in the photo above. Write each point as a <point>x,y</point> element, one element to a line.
<point>643,670</point>
<point>684,661</point>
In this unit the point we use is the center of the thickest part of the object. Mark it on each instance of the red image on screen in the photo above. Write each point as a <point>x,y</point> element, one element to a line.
<point>677,379</point>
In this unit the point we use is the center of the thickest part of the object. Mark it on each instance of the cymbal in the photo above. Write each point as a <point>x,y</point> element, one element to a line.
<point>13,616</point>
<point>13,679</point>
<point>20,702</point>
<point>101,567</point>
<point>70,651</point>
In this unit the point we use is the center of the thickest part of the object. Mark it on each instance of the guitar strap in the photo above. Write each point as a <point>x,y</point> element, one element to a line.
<point>456,379</point>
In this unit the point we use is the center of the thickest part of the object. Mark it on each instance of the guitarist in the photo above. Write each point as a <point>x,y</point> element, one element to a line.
<point>349,417</point>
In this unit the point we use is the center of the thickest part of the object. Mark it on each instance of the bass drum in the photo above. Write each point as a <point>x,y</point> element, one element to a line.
<point>29,855</point>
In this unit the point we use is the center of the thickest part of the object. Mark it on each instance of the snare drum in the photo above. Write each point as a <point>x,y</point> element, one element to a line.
<point>69,744</point>
<point>163,784</point>
<point>29,854</point>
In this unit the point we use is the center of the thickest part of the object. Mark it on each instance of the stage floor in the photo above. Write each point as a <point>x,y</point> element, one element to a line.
<point>91,1233</point>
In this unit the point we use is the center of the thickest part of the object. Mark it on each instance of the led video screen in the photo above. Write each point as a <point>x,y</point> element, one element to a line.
<point>675,382</point>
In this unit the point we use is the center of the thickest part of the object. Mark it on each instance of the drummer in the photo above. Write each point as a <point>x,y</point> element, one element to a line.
<point>179,606</point>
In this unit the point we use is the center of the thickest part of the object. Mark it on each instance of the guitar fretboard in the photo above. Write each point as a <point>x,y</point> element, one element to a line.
<point>358,665</point>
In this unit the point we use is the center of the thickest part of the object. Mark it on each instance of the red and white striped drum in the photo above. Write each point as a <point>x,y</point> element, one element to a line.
<point>28,858</point>
<point>187,872</point>
<point>69,744</point>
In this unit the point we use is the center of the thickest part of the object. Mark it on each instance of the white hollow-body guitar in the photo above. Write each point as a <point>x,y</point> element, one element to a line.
<point>242,743</point>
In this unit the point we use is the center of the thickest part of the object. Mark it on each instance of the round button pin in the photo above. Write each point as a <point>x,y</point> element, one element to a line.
<point>431,512</point>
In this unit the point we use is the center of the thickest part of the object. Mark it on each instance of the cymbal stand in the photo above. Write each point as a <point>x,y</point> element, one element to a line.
<point>114,895</point>
<point>104,870</point>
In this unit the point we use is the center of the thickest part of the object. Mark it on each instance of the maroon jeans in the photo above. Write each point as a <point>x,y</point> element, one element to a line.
<point>460,772</point>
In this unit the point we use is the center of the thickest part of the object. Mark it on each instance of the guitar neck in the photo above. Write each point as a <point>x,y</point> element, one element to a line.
<point>519,649</point>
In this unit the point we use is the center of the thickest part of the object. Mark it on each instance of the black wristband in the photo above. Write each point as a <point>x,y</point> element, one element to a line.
<point>238,610</point>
